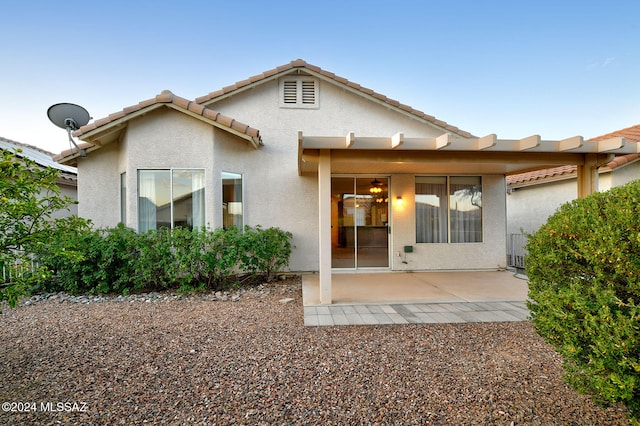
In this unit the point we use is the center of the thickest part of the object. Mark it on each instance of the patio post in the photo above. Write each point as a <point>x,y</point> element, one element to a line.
<point>588,175</point>
<point>324,205</point>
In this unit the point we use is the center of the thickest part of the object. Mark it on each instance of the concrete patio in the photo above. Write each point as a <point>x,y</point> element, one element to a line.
<point>417,297</point>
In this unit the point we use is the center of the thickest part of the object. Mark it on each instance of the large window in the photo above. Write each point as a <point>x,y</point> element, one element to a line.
<point>170,198</point>
<point>448,209</point>
<point>232,200</point>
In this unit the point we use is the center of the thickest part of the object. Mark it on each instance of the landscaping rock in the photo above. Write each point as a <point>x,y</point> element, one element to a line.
<point>187,360</point>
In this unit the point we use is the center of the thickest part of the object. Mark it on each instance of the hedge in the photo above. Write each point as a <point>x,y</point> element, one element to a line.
<point>584,285</point>
<point>120,260</point>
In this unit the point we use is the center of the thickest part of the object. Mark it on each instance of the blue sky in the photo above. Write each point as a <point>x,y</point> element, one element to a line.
<point>514,68</point>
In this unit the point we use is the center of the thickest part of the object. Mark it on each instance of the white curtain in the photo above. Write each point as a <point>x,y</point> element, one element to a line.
<point>431,216</point>
<point>147,201</point>
<point>197,200</point>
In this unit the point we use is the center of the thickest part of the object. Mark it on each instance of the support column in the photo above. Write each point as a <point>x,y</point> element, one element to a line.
<point>324,205</point>
<point>588,175</point>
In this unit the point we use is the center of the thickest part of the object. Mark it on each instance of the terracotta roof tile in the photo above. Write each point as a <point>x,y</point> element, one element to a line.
<point>299,63</point>
<point>622,160</point>
<point>132,108</point>
<point>197,108</point>
<point>224,120</point>
<point>210,114</point>
<point>166,97</point>
<point>540,174</point>
<point>116,115</point>
<point>178,101</point>
<point>631,134</point>
<point>236,125</point>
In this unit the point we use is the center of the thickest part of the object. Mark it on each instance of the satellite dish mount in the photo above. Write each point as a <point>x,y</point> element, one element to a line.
<point>70,117</point>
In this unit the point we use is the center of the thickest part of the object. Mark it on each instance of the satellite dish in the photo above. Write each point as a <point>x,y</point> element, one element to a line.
<point>70,117</point>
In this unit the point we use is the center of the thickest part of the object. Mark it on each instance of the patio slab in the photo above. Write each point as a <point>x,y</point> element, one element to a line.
<point>418,297</point>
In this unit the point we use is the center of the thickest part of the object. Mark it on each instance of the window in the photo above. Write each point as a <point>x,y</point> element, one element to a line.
<point>123,198</point>
<point>232,200</point>
<point>448,209</point>
<point>170,199</point>
<point>299,92</point>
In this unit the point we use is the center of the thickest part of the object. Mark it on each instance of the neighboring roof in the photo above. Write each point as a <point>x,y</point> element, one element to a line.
<point>630,134</point>
<point>165,99</point>
<point>299,64</point>
<point>40,156</point>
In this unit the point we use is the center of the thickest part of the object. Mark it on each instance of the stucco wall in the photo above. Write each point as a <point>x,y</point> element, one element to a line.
<point>167,139</point>
<point>273,192</point>
<point>69,190</point>
<point>528,208</point>
<point>99,187</point>
<point>490,254</point>
<point>625,174</point>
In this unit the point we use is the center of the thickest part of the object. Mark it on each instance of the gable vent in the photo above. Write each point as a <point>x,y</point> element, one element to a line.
<point>299,92</point>
<point>290,91</point>
<point>308,92</point>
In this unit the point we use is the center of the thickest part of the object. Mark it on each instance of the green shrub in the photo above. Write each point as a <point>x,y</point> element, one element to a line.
<point>119,260</point>
<point>220,253</point>
<point>91,261</point>
<point>29,197</point>
<point>584,285</point>
<point>264,250</point>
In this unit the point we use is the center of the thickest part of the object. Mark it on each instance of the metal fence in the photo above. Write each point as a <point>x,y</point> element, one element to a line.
<point>516,251</point>
<point>16,270</point>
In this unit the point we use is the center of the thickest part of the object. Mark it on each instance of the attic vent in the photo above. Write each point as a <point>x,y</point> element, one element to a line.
<point>290,89</point>
<point>308,92</point>
<point>299,92</point>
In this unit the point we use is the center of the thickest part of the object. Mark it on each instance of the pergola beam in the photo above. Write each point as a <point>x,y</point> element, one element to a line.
<point>442,141</point>
<point>610,144</point>
<point>528,143</point>
<point>486,142</point>
<point>570,143</point>
<point>350,139</point>
<point>449,142</point>
<point>397,140</point>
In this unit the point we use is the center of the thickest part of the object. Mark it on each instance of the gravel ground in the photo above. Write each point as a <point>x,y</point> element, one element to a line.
<point>249,360</point>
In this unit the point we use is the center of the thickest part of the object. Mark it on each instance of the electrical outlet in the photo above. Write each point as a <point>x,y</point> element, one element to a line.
<point>398,254</point>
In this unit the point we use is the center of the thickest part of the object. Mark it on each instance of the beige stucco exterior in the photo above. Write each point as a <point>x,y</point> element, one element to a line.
<point>529,207</point>
<point>287,166</point>
<point>274,193</point>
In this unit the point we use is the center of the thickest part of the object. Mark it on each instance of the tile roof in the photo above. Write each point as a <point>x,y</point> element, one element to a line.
<point>631,134</point>
<point>301,64</point>
<point>167,97</point>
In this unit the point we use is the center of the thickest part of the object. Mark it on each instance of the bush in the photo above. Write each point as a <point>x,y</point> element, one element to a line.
<point>119,260</point>
<point>265,250</point>
<point>29,197</point>
<point>584,285</point>
<point>91,261</point>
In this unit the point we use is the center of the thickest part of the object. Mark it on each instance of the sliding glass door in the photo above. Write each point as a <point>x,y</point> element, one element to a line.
<point>359,222</point>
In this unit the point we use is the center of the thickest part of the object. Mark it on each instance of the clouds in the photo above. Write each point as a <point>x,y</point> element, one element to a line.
<point>599,64</point>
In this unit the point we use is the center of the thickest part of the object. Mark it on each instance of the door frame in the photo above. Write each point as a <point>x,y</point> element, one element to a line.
<point>389,231</point>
